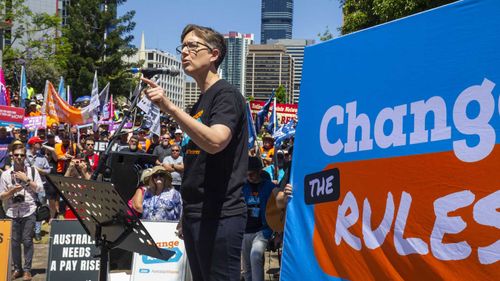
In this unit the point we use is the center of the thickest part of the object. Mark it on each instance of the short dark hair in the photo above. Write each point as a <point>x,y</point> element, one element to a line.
<point>213,38</point>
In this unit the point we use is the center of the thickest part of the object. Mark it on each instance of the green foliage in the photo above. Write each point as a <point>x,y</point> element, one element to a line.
<point>250,98</point>
<point>91,52</point>
<point>280,94</point>
<point>327,35</point>
<point>360,14</point>
<point>36,43</point>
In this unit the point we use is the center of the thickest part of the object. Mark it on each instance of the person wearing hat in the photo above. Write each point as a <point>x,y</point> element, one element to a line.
<point>36,158</point>
<point>33,110</point>
<point>144,141</point>
<point>160,201</point>
<point>177,138</point>
<point>267,149</point>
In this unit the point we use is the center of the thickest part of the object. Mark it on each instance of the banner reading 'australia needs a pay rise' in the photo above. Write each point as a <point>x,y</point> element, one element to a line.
<point>397,156</point>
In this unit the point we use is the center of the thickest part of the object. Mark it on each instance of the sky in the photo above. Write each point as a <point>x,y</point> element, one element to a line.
<point>162,21</point>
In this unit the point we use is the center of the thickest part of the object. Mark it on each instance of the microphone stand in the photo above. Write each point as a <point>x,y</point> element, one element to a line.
<point>103,158</point>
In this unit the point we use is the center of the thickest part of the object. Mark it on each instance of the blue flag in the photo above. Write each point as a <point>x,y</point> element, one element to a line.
<point>61,90</point>
<point>271,127</point>
<point>24,88</point>
<point>252,136</point>
<point>262,114</point>
<point>284,132</point>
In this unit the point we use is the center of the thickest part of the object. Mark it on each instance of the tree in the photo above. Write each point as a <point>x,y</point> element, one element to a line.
<point>35,42</point>
<point>100,41</point>
<point>365,13</point>
<point>327,35</point>
<point>280,94</point>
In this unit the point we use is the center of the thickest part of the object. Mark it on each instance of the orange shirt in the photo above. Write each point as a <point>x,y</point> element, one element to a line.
<point>144,144</point>
<point>60,152</point>
<point>35,113</point>
<point>266,153</point>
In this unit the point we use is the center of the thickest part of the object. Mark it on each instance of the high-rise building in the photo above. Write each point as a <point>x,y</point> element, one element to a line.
<point>295,48</point>
<point>232,68</point>
<point>276,20</point>
<point>268,67</point>
<point>174,86</point>
<point>191,94</point>
<point>63,11</point>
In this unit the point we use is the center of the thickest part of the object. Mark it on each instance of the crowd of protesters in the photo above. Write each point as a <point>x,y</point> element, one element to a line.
<point>26,157</point>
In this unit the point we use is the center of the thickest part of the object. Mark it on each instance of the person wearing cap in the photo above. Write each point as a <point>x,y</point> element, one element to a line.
<point>267,149</point>
<point>160,202</point>
<point>36,159</point>
<point>177,138</point>
<point>32,110</point>
<point>256,191</point>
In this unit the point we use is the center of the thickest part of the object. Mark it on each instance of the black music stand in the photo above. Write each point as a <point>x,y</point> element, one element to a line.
<point>105,216</point>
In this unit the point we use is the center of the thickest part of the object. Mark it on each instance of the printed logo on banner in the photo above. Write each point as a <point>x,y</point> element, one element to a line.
<point>175,258</point>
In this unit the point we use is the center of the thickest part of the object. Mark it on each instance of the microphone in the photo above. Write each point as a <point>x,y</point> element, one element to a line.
<point>149,72</point>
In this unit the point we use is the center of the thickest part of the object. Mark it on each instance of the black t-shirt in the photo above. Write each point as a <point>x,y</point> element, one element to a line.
<point>254,219</point>
<point>212,183</point>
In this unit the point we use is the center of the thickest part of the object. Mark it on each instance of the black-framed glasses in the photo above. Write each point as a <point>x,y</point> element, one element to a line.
<point>192,46</point>
<point>19,155</point>
<point>90,144</point>
<point>175,150</point>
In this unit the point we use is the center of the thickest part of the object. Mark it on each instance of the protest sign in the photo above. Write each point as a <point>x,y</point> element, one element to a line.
<point>284,112</point>
<point>35,122</point>
<point>5,244</point>
<point>71,253</point>
<point>11,115</point>
<point>395,164</point>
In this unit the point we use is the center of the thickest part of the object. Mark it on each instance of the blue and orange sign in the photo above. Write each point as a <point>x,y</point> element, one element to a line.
<point>396,158</point>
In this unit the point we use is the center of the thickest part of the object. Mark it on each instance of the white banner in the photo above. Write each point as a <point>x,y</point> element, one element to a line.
<point>146,268</point>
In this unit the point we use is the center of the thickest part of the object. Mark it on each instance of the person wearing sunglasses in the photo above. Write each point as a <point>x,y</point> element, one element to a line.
<point>90,155</point>
<point>175,165</point>
<point>19,186</point>
<point>215,158</point>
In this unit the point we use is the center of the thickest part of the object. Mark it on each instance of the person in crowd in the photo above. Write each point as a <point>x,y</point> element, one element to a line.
<point>163,150</point>
<point>50,191</point>
<point>23,135</point>
<point>16,133</point>
<point>53,128</point>
<point>78,168</point>
<point>175,165</point>
<point>155,141</point>
<point>65,151</point>
<point>215,161</point>
<point>32,110</point>
<point>90,156</point>
<point>257,233</point>
<point>275,170</point>
<point>18,188</point>
<point>5,140</point>
<point>267,149</point>
<point>177,138</point>
<point>31,91</point>
<point>35,158</point>
<point>122,141</point>
<point>144,141</point>
<point>104,136</point>
<point>42,134</point>
<point>164,129</point>
<point>133,145</point>
<point>160,202</point>
<point>135,203</point>
<point>61,131</point>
